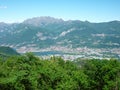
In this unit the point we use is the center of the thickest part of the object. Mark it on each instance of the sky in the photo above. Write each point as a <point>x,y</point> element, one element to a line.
<point>84,10</point>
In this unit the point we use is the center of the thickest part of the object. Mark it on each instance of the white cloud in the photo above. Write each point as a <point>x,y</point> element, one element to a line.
<point>3,7</point>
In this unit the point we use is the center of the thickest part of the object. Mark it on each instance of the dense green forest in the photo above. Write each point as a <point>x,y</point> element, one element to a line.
<point>28,72</point>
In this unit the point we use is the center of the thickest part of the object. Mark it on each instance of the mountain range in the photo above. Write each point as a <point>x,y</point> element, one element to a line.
<point>50,33</point>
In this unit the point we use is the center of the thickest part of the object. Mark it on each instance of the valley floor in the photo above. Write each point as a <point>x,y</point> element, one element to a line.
<point>73,53</point>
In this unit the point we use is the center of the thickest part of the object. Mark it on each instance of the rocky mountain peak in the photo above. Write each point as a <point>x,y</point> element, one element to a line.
<point>38,21</point>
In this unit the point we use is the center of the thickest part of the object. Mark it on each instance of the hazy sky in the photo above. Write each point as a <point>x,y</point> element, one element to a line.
<point>91,10</point>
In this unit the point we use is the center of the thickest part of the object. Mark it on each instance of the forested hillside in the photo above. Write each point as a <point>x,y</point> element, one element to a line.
<point>7,51</point>
<point>28,72</point>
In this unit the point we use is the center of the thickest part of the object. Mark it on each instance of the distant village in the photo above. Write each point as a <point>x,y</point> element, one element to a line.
<point>74,53</point>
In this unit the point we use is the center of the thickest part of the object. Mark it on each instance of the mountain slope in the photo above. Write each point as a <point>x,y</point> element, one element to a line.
<point>55,34</point>
<point>7,51</point>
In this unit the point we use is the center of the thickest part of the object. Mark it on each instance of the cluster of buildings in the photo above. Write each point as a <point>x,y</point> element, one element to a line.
<point>74,53</point>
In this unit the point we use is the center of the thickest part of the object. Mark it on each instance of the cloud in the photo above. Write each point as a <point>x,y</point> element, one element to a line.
<point>3,7</point>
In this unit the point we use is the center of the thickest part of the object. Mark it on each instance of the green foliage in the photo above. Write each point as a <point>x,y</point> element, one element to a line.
<point>103,74</point>
<point>28,72</point>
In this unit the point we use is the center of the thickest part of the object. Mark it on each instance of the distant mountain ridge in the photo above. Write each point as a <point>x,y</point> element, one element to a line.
<point>51,33</point>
